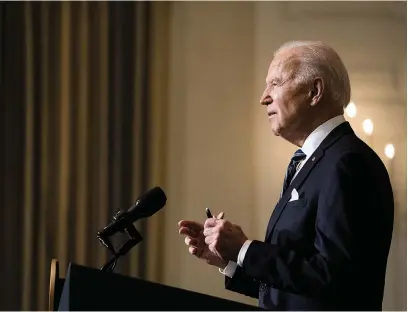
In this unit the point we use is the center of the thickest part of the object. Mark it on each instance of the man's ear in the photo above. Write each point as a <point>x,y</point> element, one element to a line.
<point>316,93</point>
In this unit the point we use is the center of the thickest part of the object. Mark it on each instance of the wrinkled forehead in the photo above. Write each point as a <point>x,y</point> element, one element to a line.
<point>284,65</point>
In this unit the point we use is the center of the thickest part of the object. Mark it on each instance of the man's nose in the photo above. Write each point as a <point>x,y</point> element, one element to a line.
<point>266,98</point>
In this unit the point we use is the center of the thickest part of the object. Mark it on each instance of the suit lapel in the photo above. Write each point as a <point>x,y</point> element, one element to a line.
<point>304,172</point>
<point>296,183</point>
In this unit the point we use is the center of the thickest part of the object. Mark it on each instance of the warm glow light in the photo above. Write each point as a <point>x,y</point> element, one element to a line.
<point>368,126</point>
<point>351,110</point>
<point>389,151</point>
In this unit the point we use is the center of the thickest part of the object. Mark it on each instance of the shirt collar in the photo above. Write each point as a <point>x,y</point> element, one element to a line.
<point>313,141</point>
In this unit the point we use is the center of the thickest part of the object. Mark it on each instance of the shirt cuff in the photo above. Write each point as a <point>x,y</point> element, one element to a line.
<point>229,270</point>
<point>242,252</point>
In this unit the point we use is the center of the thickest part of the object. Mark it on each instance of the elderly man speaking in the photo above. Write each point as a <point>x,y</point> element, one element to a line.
<point>328,238</point>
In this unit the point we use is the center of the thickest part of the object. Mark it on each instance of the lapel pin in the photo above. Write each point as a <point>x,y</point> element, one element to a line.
<point>313,159</point>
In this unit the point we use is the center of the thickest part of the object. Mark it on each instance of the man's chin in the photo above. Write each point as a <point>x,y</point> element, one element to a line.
<point>276,130</point>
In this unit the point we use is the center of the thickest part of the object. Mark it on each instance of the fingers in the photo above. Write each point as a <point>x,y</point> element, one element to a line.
<point>188,232</point>
<point>191,241</point>
<point>212,225</point>
<point>211,222</point>
<point>192,225</point>
<point>193,247</point>
<point>215,226</point>
<point>193,250</point>
<point>210,231</point>
<point>212,248</point>
<point>209,240</point>
<point>192,230</point>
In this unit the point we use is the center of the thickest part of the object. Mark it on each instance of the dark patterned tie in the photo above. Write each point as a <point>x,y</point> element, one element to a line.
<point>297,157</point>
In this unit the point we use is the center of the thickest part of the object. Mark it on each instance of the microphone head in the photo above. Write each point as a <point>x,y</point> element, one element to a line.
<point>148,204</point>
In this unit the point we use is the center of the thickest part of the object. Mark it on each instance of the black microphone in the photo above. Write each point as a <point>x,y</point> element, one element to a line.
<point>145,206</point>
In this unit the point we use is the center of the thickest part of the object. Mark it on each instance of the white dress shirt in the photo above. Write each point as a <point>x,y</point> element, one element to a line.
<point>310,145</point>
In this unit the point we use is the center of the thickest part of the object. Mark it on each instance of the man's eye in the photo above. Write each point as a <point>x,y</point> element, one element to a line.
<point>274,84</point>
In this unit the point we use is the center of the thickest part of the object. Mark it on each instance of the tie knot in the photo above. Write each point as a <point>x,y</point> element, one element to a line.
<point>298,155</point>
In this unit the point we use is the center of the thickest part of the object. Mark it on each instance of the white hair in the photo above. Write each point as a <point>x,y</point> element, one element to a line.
<point>318,59</point>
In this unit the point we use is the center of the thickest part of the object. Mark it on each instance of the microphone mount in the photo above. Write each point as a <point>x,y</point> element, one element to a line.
<point>134,238</point>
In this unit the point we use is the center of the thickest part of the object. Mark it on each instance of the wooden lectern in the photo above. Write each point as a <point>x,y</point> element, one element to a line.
<point>91,289</point>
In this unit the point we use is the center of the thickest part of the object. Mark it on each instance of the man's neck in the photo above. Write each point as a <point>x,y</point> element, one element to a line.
<point>301,135</point>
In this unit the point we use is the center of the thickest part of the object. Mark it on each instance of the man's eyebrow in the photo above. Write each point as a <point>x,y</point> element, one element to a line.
<point>273,80</point>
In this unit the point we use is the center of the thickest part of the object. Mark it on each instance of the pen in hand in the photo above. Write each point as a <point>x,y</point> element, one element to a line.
<point>210,215</point>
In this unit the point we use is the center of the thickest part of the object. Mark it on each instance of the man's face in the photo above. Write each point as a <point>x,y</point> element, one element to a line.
<point>287,101</point>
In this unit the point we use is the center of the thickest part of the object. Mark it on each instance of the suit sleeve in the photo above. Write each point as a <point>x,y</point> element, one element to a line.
<point>341,230</point>
<point>242,283</point>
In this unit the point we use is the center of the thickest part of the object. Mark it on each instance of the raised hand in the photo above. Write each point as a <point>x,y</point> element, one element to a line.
<point>224,238</point>
<point>195,240</point>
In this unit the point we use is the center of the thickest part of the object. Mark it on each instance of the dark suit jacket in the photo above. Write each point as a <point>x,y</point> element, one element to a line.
<point>329,249</point>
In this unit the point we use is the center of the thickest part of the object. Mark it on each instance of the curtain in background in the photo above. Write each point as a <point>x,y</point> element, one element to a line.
<point>83,136</point>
